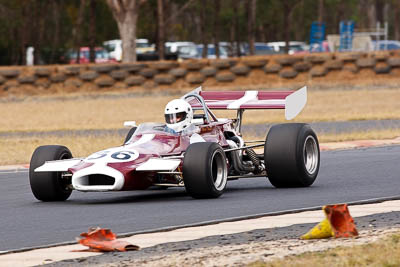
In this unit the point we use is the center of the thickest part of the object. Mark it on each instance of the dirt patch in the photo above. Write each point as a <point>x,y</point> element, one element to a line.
<point>240,255</point>
<point>109,111</point>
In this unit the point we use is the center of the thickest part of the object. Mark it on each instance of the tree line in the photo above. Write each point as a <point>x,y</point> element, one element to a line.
<point>54,27</point>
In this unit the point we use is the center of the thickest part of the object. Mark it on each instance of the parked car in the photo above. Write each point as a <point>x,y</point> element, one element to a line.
<point>319,47</point>
<point>183,50</point>
<point>294,46</point>
<point>231,48</point>
<point>263,49</point>
<point>114,47</point>
<point>386,45</point>
<point>211,51</point>
<point>101,56</point>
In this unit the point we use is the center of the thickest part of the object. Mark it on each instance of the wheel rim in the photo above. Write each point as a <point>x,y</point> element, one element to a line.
<point>219,170</point>
<point>310,152</point>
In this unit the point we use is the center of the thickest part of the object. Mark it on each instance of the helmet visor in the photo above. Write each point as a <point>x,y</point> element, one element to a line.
<point>175,118</point>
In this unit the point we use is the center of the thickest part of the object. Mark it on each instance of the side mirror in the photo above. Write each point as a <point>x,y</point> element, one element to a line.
<point>130,124</point>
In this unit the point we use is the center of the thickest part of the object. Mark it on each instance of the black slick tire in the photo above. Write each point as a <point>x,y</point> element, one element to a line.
<point>205,170</point>
<point>49,186</point>
<point>291,155</point>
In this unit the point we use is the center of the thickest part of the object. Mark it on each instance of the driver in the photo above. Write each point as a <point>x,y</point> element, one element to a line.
<point>178,116</point>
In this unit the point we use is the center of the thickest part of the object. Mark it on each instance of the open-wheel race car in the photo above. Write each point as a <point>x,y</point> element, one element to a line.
<point>193,149</point>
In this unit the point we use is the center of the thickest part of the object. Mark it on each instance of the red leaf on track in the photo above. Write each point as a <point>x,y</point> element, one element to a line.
<point>103,240</point>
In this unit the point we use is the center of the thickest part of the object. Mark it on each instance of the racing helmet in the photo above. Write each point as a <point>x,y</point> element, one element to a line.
<point>178,115</point>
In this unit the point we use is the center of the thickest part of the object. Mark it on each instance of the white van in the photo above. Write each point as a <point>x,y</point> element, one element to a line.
<point>294,46</point>
<point>114,47</point>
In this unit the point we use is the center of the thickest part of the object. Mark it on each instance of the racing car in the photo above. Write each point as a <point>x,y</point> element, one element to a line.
<point>193,149</point>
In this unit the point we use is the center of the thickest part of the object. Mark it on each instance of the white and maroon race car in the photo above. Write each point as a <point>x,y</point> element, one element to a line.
<point>200,156</point>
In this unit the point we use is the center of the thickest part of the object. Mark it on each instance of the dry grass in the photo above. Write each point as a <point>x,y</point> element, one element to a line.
<point>385,252</point>
<point>100,113</point>
<point>48,114</point>
<point>71,113</point>
<point>18,150</point>
<point>356,135</point>
<point>365,135</point>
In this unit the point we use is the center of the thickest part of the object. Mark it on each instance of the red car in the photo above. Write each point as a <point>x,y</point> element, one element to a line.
<point>193,149</point>
<point>101,56</point>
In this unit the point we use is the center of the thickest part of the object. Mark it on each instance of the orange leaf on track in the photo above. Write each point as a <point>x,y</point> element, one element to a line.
<point>103,240</point>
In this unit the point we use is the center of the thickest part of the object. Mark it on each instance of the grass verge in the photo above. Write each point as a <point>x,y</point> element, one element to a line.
<point>357,135</point>
<point>350,136</point>
<point>384,252</point>
<point>18,150</point>
<point>70,113</point>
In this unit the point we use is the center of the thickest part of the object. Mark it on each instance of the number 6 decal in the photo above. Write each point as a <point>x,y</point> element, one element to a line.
<point>98,155</point>
<point>113,156</point>
<point>122,155</point>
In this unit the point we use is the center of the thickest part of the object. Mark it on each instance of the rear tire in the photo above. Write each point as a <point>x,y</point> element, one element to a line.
<point>49,186</point>
<point>205,171</point>
<point>291,155</point>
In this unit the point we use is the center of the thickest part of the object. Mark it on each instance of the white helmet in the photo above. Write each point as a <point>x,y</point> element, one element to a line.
<point>178,115</point>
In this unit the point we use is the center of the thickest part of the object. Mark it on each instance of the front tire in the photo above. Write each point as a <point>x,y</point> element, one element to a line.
<point>49,186</point>
<point>291,155</point>
<point>205,171</point>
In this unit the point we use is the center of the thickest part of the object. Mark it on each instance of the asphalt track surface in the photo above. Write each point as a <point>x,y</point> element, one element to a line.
<point>345,176</point>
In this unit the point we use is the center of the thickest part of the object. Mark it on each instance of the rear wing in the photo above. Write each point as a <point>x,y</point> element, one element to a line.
<point>292,101</point>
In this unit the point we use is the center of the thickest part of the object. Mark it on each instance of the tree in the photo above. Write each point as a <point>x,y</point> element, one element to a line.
<point>125,12</point>
<point>396,7</point>
<point>362,14</point>
<point>77,31</point>
<point>57,28</point>
<point>321,11</point>
<point>92,31</point>
<point>203,21</point>
<point>56,6</point>
<point>236,26</point>
<point>38,20</point>
<point>379,10</point>
<point>288,7</point>
<point>160,29</point>
<point>251,22</point>
<point>217,8</point>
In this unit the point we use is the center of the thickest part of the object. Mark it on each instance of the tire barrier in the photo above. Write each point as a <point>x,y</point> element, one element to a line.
<point>269,71</point>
